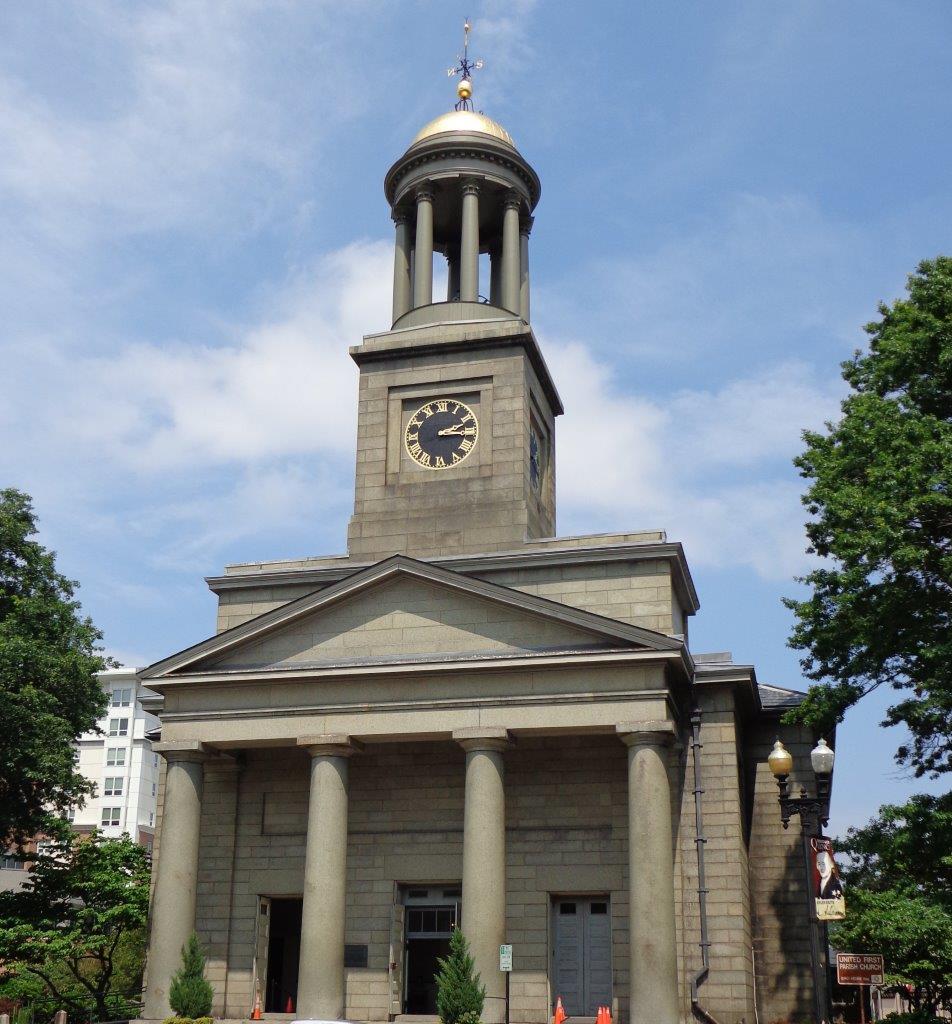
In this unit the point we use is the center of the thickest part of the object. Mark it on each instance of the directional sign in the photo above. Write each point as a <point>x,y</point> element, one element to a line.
<point>859,968</point>
<point>505,958</point>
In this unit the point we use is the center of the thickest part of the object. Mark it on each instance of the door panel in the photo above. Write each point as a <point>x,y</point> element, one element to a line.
<point>568,956</point>
<point>598,948</point>
<point>582,955</point>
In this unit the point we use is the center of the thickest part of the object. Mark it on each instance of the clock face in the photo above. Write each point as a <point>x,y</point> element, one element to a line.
<point>441,433</point>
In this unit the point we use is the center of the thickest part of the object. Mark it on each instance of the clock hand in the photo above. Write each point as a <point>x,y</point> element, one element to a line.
<point>457,431</point>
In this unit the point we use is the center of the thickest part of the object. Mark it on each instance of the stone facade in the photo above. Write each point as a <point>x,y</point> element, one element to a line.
<point>466,719</point>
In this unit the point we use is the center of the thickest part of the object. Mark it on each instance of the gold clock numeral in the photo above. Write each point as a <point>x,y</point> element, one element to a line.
<point>457,458</point>
<point>415,450</point>
<point>442,406</point>
<point>466,445</point>
<point>427,411</point>
<point>424,459</point>
<point>440,462</point>
<point>412,438</point>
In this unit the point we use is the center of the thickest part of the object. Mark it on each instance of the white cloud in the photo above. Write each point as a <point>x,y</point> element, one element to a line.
<point>712,467</point>
<point>282,386</point>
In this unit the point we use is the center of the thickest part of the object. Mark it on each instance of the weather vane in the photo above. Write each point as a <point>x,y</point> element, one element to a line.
<point>465,67</point>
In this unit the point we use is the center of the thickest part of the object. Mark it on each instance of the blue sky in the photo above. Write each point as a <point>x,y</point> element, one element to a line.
<point>195,231</point>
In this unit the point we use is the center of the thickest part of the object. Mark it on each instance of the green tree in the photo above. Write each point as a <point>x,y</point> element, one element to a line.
<point>78,923</point>
<point>190,995</point>
<point>459,994</point>
<point>898,875</point>
<point>49,693</point>
<point>880,608</point>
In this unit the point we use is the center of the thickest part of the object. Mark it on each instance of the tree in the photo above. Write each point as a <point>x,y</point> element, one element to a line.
<point>190,995</point>
<point>49,693</point>
<point>459,994</point>
<point>79,920</point>
<point>898,873</point>
<point>914,934</point>
<point>881,500</point>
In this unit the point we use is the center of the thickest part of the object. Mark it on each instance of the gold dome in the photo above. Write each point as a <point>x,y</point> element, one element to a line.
<point>464,121</point>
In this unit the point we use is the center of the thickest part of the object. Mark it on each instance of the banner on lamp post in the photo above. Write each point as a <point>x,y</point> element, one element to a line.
<point>827,887</point>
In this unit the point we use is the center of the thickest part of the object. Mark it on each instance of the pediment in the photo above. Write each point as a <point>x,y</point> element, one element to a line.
<point>405,610</point>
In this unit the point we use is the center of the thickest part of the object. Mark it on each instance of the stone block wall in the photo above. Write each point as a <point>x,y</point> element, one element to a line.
<point>727,992</point>
<point>781,936</point>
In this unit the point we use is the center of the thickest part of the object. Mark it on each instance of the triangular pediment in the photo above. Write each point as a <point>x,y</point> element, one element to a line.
<point>404,610</point>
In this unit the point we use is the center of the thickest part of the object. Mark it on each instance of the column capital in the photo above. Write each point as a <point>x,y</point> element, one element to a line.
<point>652,733</point>
<point>525,224</point>
<point>470,187</point>
<point>424,194</point>
<point>512,200</point>
<point>482,737</point>
<point>330,744</point>
<point>189,750</point>
<point>399,214</point>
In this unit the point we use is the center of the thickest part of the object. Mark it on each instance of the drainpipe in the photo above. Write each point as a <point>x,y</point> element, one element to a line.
<point>700,840</point>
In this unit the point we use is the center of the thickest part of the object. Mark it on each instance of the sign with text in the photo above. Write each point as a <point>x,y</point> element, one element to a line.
<point>859,968</point>
<point>505,958</point>
<point>827,888</point>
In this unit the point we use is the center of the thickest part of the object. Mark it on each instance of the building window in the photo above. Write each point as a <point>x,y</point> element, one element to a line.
<point>112,786</point>
<point>118,726</point>
<point>116,756</point>
<point>111,815</point>
<point>70,814</point>
<point>11,863</point>
<point>151,820</point>
<point>43,848</point>
<point>122,698</point>
<point>155,760</point>
<point>153,789</point>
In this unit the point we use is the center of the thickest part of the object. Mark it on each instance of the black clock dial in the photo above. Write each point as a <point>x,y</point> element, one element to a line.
<point>441,433</point>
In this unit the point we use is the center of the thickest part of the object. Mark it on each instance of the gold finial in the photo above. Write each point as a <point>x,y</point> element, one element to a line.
<point>465,68</point>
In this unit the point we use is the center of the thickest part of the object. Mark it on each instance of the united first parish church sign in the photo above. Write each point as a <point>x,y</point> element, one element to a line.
<point>859,968</point>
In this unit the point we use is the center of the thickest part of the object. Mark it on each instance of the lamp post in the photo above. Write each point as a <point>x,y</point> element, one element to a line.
<point>814,812</point>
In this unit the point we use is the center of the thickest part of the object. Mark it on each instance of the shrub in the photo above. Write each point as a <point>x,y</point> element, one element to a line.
<point>459,994</point>
<point>190,995</point>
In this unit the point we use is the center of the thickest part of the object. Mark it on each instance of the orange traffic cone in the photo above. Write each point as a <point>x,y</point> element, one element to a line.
<point>256,1012</point>
<point>289,1006</point>
<point>600,1015</point>
<point>559,1014</point>
<point>608,1015</point>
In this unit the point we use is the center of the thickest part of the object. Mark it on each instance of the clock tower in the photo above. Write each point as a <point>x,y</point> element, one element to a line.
<point>456,416</point>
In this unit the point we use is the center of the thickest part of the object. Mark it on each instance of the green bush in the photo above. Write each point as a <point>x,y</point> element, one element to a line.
<point>188,1020</point>
<point>913,1017</point>
<point>459,994</point>
<point>190,995</point>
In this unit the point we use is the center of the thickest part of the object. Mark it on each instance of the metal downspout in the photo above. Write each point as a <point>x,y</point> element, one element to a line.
<point>700,840</point>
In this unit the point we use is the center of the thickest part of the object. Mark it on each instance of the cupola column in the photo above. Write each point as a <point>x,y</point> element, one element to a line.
<point>510,252</point>
<point>469,244</point>
<point>423,256</point>
<point>401,265</point>
<point>525,226</point>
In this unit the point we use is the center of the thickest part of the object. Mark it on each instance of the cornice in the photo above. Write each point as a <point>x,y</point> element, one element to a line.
<point>464,149</point>
<point>362,354</point>
<point>668,551</point>
<point>679,659</point>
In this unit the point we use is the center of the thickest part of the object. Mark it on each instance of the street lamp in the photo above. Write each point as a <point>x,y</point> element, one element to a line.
<point>814,812</point>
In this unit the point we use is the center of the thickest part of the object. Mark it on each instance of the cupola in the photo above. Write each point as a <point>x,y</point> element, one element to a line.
<point>462,188</point>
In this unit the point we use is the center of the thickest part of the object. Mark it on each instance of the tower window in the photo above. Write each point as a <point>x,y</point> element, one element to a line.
<point>122,698</point>
<point>118,726</point>
<point>115,756</point>
<point>111,815</point>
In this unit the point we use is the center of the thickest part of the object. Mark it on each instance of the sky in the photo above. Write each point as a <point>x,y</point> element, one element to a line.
<point>194,231</point>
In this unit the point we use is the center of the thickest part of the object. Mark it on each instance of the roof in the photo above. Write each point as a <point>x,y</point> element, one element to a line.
<point>464,121</point>
<point>778,698</point>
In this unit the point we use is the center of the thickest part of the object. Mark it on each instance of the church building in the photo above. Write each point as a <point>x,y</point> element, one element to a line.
<point>468,720</point>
